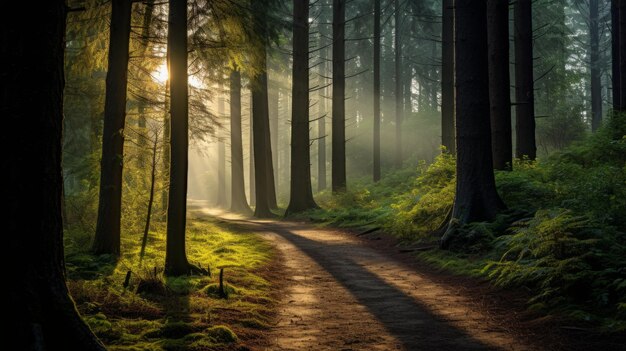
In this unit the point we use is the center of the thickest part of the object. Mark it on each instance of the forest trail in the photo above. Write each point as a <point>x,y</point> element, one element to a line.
<point>343,294</point>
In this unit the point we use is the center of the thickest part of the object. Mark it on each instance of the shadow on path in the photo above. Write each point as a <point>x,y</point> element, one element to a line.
<point>409,321</point>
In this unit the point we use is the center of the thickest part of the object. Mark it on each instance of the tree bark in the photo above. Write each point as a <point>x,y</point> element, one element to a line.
<point>376,127</point>
<point>146,229</point>
<point>622,56</point>
<point>476,197</point>
<point>41,314</point>
<point>261,111</point>
<point>107,238</point>
<point>271,182</point>
<point>323,98</point>
<point>399,86</point>
<point>251,176</point>
<point>524,83</point>
<point>238,202</point>
<point>260,130</point>
<point>447,78</point>
<point>166,148</point>
<point>339,103</point>
<point>301,193</point>
<point>222,201</point>
<point>321,126</point>
<point>615,54</point>
<point>175,256</point>
<point>596,73</point>
<point>499,83</point>
<point>142,103</point>
<point>273,116</point>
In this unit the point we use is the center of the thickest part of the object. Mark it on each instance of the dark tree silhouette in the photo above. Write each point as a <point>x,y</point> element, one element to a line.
<point>398,91</point>
<point>376,127</point>
<point>222,200</point>
<point>166,147</point>
<point>622,55</point>
<point>301,193</point>
<point>269,169</point>
<point>615,55</point>
<point>107,239</point>
<point>499,83</point>
<point>260,131</point>
<point>41,314</point>
<point>476,196</point>
<point>238,202</point>
<point>175,256</point>
<point>594,65</point>
<point>321,134</point>
<point>146,26</point>
<point>251,177</point>
<point>524,82</point>
<point>339,93</point>
<point>447,77</point>
<point>273,116</point>
<point>323,92</point>
<point>265,190</point>
<point>153,173</point>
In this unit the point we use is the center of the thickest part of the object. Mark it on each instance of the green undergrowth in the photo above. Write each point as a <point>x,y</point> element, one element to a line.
<point>562,238</point>
<point>155,312</point>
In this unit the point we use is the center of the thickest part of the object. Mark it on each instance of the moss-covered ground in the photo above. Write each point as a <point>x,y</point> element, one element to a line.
<point>155,312</point>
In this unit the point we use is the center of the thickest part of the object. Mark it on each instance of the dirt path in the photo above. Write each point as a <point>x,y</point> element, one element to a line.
<point>346,296</point>
<point>343,293</point>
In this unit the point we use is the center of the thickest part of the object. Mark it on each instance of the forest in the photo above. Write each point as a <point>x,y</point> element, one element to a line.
<point>315,175</point>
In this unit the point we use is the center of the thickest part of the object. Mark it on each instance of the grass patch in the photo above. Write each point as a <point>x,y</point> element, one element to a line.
<point>176,313</point>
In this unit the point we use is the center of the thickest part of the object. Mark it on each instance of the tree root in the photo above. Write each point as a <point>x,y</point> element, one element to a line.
<point>450,232</point>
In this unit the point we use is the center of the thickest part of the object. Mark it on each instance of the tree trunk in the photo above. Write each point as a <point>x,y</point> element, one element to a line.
<point>524,83</point>
<point>166,148</point>
<point>432,84</point>
<point>596,73</point>
<point>107,238</point>
<point>271,183</point>
<point>376,148</point>
<point>261,105</point>
<point>301,193</point>
<point>175,256</point>
<point>222,202</point>
<point>260,130</point>
<point>622,56</point>
<point>146,229</point>
<point>339,103</point>
<point>323,98</point>
<point>476,197</point>
<point>251,176</point>
<point>238,202</point>
<point>447,78</point>
<point>399,86</point>
<point>142,101</point>
<point>499,83</point>
<point>273,115</point>
<point>321,129</point>
<point>615,55</point>
<point>407,99</point>
<point>41,313</point>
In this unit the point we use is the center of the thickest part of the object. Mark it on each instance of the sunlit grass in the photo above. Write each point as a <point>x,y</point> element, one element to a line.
<point>162,313</point>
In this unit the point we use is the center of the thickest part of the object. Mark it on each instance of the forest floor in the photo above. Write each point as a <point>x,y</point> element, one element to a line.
<point>345,291</point>
<point>157,313</point>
